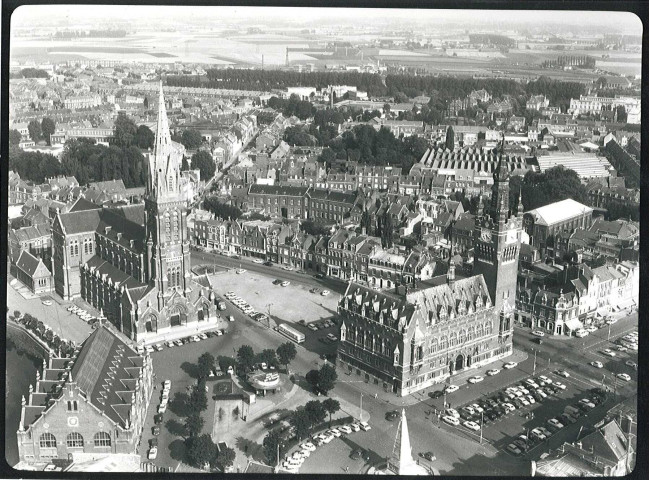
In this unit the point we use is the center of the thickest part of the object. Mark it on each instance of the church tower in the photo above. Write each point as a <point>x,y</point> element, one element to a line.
<point>168,263</point>
<point>497,240</point>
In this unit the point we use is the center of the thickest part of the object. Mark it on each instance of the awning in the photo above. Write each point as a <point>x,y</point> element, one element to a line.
<point>626,304</point>
<point>574,324</point>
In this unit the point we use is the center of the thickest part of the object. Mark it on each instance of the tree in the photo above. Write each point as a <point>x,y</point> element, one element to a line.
<point>312,377</point>
<point>315,412</point>
<point>245,359</point>
<point>194,425</point>
<point>205,365</point>
<point>35,132</point>
<point>331,406</point>
<point>221,210</point>
<point>270,444</point>
<point>204,162</point>
<point>15,137</point>
<point>197,401</point>
<point>225,458</point>
<point>450,138</point>
<point>48,127</point>
<point>201,451</point>
<point>226,362</point>
<point>125,131</point>
<point>144,137</point>
<point>327,377</point>
<point>301,423</point>
<point>268,356</point>
<point>191,139</point>
<point>286,353</point>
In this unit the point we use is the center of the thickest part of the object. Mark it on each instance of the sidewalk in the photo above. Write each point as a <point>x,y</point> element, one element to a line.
<point>370,390</point>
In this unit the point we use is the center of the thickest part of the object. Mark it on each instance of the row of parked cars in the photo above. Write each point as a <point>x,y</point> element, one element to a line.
<point>82,314</point>
<point>571,413</point>
<point>293,462</point>
<point>244,307</point>
<point>179,342</point>
<point>162,408</point>
<point>513,397</point>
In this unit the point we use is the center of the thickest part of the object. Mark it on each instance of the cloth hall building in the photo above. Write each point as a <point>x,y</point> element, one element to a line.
<point>133,262</point>
<point>409,340</point>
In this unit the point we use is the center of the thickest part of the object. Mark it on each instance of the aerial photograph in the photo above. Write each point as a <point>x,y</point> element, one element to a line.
<point>344,241</point>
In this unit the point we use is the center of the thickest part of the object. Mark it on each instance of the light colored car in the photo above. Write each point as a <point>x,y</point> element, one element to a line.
<point>72,308</point>
<point>335,432</point>
<point>477,408</point>
<point>451,420</point>
<point>545,380</point>
<point>451,388</point>
<point>240,270</point>
<point>623,376</point>
<point>153,453</point>
<point>345,429</point>
<point>311,326</point>
<point>622,348</point>
<point>560,386</point>
<point>308,446</point>
<point>530,399</point>
<point>149,349</point>
<point>158,347</point>
<point>202,336</point>
<point>562,373</point>
<point>451,412</point>
<point>631,363</point>
<point>587,402</point>
<point>258,260</point>
<point>591,329</point>
<point>531,383</point>
<point>324,293</point>
<point>608,352</point>
<point>597,364</point>
<point>538,333</point>
<point>509,365</point>
<point>231,318</point>
<point>536,432</point>
<point>162,408</point>
<point>288,268</point>
<point>553,422</point>
<point>365,426</point>
<point>326,438</point>
<point>476,379</point>
<point>170,344</point>
<point>541,393</point>
<point>332,337</point>
<point>356,427</point>
<point>285,283</point>
<point>470,410</point>
<point>471,425</point>
<point>167,384</point>
<point>47,302</point>
<point>196,338</point>
<point>493,371</point>
<point>509,407</point>
<point>582,333</point>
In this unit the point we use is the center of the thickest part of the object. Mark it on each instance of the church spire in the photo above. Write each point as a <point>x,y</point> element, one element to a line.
<point>162,136</point>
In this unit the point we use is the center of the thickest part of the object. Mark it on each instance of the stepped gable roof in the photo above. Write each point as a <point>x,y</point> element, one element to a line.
<point>82,204</point>
<point>80,222</point>
<point>106,370</point>
<point>394,308</point>
<point>463,296</point>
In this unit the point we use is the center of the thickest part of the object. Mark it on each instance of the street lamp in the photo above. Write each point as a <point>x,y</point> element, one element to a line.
<point>481,423</point>
<point>534,368</point>
<point>360,416</point>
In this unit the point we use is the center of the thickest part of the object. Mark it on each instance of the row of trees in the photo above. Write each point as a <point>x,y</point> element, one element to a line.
<point>322,380</point>
<point>30,72</point>
<point>201,451</point>
<point>302,421</point>
<point>47,335</point>
<point>37,131</point>
<point>246,360</point>
<point>221,210</point>
<point>302,109</point>
<point>553,185</point>
<point>365,145</point>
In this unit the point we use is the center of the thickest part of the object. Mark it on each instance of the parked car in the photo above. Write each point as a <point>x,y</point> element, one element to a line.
<point>562,373</point>
<point>428,456</point>
<point>436,394</point>
<point>513,449</point>
<point>538,333</point>
<point>451,420</point>
<point>509,365</point>
<point>623,376</point>
<point>493,371</point>
<point>631,363</point>
<point>476,379</point>
<point>538,434</point>
<point>451,388</point>
<point>153,453</point>
<point>268,263</point>
<point>554,423</point>
<point>608,352</point>
<point>285,283</point>
<point>597,364</point>
<point>365,426</point>
<point>471,425</point>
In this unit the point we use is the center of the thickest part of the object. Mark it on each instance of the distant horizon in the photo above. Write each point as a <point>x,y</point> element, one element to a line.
<point>79,16</point>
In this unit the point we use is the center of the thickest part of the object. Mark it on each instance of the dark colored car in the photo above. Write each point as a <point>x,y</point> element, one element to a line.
<point>236,257</point>
<point>156,430</point>
<point>391,415</point>
<point>268,263</point>
<point>357,454</point>
<point>319,275</point>
<point>158,418</point>
<point>538,340</point>
<point>436,394</point>
<point>277,281</point>
<point>428,456</point>
<point>153,442</point>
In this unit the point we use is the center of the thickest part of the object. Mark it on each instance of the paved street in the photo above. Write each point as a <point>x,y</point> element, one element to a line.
<point>63,323</point>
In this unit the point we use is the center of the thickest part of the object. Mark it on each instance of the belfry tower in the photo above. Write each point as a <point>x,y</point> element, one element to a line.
<point>497,241</point>
<point>167,252</point>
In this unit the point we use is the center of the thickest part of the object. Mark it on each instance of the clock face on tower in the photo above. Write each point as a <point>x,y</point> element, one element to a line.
<point>485,235</point>
<point>511,237</point>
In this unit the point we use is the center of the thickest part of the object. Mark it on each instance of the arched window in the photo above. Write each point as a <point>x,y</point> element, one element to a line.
<point>462,336</point>
<point>102,439</point>
<point>453,339</point>
<point>74,440</point>
<point>47,440</point>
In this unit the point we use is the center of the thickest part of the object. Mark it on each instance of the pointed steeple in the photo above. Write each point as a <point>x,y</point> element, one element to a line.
<point>520,202</point>
<point>401,461</point>
<point>162,136</point>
